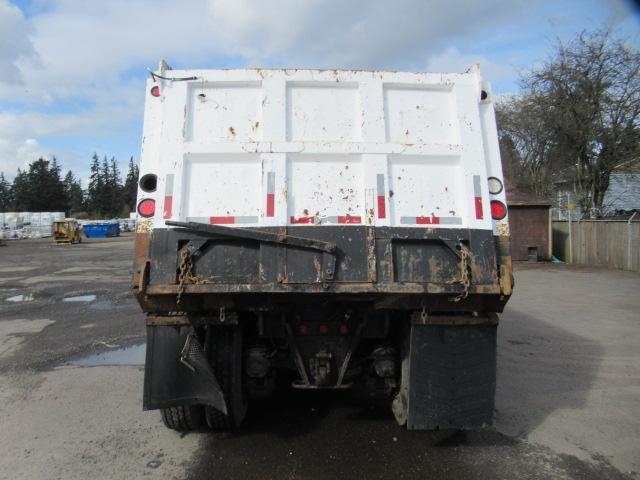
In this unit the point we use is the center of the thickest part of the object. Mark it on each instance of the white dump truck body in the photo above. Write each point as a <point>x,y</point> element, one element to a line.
<point>345,229</point>
<point>280,147</point>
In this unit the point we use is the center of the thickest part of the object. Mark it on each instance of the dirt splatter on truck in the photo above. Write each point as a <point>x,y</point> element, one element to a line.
<point>328,229</point>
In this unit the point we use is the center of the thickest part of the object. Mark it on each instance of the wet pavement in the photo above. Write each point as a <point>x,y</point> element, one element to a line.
<point>133,355</point>
<point>82,288</point>
<point>72,346</point>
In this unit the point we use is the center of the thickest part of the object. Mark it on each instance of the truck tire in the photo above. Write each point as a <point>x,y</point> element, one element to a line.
<point>452,377</point>
<point>183,418</point>
<point>226,360</point>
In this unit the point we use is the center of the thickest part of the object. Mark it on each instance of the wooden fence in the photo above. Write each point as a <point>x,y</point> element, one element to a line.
<point>607,243</point>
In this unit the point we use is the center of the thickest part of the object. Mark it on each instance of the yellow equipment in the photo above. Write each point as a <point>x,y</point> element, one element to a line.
<point>67,231</point>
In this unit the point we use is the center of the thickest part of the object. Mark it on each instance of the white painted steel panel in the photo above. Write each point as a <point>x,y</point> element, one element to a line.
<point>325,188</point>
<point>264,146</point>
<point>221,186</point>
<point>319,111</point>
<point>419,114</point>
<point>425,187</point>
<point>224,112</point>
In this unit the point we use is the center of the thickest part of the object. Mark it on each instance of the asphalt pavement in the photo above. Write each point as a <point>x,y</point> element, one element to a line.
<point>72,343</point>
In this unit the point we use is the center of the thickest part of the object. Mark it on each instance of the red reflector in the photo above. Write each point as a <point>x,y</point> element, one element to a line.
<point>323,328</point>
<point>479,213</point>
<point>155,91</point>
<point>382,212</point>
<point>302,329</point>
<point>349,219</point>
<point>498,210</point>
<point>344,329</point>
<point>302,220</point>
<point>147,207</point>
<point>222,220</point>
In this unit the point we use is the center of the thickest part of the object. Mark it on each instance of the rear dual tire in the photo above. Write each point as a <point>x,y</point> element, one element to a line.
<point>224,350</point>
<point>183,418</point>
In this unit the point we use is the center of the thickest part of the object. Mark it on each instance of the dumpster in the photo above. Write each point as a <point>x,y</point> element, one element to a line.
<point>102,230</point>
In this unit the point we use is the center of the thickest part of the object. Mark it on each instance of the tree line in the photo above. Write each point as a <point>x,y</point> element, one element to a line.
<point>42,188</point>
<point>575,121</point>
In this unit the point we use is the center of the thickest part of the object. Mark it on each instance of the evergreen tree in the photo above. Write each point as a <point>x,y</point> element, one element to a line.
<point>95,186</point>
<point>20,191</point>
<point>115,188</point>
<point>40,189</point>
<point>6,202</point>
<point>130,189</point>
<point>73,192</point>
<point>105,193</point>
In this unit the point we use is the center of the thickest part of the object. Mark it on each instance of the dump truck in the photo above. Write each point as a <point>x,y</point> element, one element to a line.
<point>320,230</point>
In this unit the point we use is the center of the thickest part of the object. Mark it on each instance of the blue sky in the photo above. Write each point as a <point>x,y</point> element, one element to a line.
<point>72,72</point>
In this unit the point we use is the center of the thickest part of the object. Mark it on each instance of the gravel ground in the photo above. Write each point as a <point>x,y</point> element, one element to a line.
<point>567,406</point>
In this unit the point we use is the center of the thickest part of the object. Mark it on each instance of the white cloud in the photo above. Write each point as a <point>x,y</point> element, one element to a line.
<point>19,154</point>
<point>452,60</point>
<point>82,46</point>
<point>356,33</point>
<point>14,42</point>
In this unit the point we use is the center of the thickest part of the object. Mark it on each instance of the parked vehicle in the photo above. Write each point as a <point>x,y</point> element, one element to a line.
<point>67,231</point>
<point>338,228</point>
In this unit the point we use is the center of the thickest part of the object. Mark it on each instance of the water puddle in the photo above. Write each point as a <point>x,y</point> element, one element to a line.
<point>28,297</point>
<point>80,298</point>
<point>133,355</point>
<point>21,298</point>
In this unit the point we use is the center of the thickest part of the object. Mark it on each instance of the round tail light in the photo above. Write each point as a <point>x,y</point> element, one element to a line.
<point>147,207</point>
<point>498,210</point>
<point>495,185</point>
<point>155,91</point>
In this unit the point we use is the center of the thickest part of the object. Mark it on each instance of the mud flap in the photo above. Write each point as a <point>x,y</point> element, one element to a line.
<point>177,371</point>
<point>452,377</point>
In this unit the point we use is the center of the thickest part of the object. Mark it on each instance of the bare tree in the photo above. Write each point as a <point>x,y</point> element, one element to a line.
<point>587,96</point>
<point>526,144</point>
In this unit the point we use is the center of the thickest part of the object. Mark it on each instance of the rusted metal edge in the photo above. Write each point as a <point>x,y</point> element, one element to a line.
<point>405,288</point>
<point>258,235</point>
<point>183,319</point>
<point>417,318</point>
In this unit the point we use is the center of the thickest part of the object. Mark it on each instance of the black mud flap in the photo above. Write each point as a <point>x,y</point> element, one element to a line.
<point>177,371</point>
<point>451,377</point>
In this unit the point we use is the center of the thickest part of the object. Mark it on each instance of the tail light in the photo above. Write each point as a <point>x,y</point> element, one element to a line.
<point>155,91</point>
<point>147,207</point>
<point>498,210</point>
<point>495,185</point>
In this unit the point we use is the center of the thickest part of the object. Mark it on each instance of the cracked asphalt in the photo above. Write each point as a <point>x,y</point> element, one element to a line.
<point>567,406</point>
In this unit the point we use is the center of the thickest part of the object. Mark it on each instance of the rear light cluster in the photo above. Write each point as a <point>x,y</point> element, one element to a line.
<point>148,184</point>
<point>147,207</point>
<point>322,329</point>
<point>498,209</point>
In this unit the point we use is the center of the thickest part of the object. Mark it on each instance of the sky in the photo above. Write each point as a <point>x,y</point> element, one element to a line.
<point>72,72</point>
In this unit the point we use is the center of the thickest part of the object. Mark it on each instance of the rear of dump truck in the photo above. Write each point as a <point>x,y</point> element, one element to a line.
<point>322,229</point>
